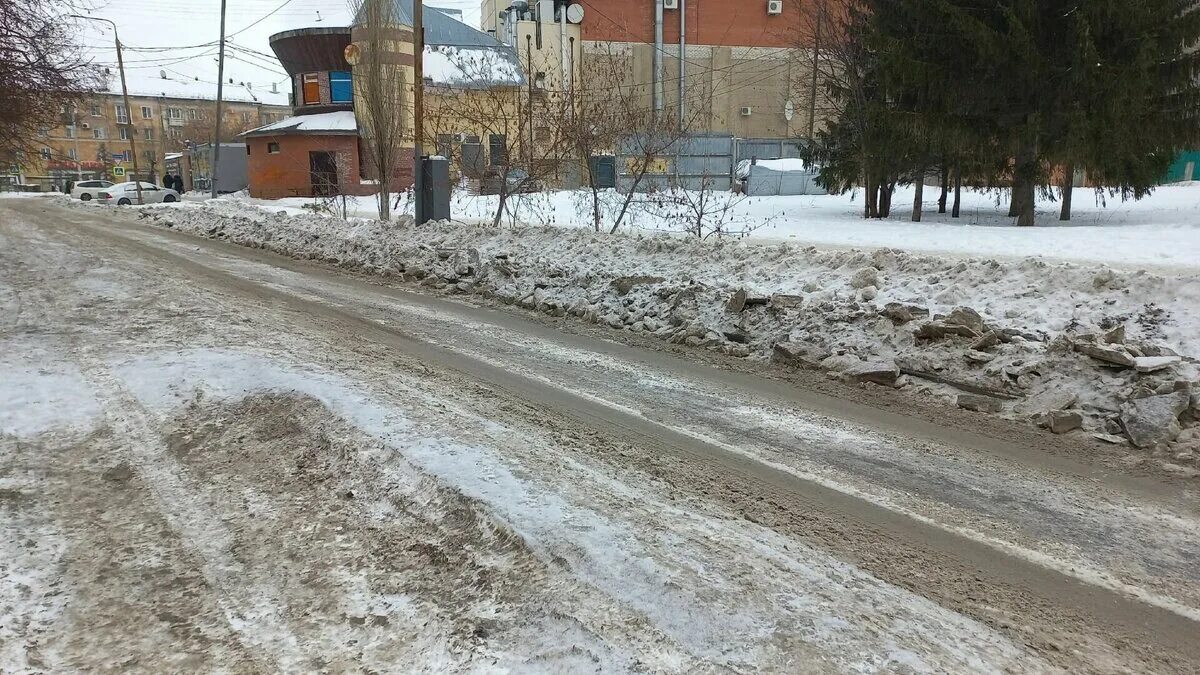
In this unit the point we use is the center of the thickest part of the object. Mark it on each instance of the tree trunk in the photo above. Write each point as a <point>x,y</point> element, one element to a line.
<point>871,209</point>
<point>1068,188</point>
<point>957,211</point>
<point>500,206</point>
<point>919,197</point>
<point>885,199</point>
<point>1024,181</point>
<point>945,189</point>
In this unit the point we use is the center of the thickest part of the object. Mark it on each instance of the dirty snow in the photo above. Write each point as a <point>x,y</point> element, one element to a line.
<point>679,287</point>
<point>674,569</point>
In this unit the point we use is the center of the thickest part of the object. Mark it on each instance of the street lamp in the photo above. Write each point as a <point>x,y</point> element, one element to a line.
<point>137,184</point>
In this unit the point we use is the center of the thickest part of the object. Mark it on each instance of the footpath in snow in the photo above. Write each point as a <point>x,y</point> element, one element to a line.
<point>1074,348</point>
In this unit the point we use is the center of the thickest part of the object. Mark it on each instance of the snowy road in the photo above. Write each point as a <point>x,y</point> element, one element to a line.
<point>212,458</point>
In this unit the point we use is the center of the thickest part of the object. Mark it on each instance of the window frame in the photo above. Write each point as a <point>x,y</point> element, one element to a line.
<point>273,147</point>
<point>147,113</point>
<point>315,80</point>
<point>336,80</point>
<point>121,117</point>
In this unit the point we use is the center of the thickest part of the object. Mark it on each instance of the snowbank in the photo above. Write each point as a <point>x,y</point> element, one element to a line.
<point>1161,232</point>
<point>1031,336</point>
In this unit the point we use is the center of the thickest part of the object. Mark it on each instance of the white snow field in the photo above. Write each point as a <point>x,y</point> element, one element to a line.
<point>1160,231</point>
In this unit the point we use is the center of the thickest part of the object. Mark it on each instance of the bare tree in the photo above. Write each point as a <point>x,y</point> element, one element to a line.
<point>497,129</point>
<point>42,69</point>
<point>381,92</point>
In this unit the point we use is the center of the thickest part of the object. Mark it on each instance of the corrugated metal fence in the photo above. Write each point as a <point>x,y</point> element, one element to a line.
<point>698,161</point>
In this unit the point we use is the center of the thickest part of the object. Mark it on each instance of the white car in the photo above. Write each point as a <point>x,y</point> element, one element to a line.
<point>124,194</point>
<point>88,189</point>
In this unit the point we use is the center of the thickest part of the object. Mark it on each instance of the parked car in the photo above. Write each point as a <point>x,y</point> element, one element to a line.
<point>88,189</point>
<point>124,194</point>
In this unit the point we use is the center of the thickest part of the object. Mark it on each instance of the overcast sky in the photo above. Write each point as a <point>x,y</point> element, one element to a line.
<point>179,36</point>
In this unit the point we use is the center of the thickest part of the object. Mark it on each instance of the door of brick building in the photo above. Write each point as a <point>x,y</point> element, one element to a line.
<point>322,166</point>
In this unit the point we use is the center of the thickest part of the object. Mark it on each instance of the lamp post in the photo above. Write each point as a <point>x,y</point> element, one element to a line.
<point>137,184</point>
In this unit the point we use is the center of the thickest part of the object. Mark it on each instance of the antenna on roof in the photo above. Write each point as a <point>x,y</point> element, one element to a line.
<point>318,16</point>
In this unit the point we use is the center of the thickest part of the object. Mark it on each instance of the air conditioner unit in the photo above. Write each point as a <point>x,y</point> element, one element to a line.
<point>774,6</point>
<point>747,111</point>
<point>670,4</point>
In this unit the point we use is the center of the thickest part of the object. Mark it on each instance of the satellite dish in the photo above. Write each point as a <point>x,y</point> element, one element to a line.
<point>789,111</point>
<point>162,74</point>
<point>575,13</point>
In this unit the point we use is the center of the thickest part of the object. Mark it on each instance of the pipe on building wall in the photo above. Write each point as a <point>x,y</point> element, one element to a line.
<point>682,60</point>
<point>658,59</point>
<point>562,47</point>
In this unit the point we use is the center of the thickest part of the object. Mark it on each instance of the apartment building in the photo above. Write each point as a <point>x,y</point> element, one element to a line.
<point>167,114</point>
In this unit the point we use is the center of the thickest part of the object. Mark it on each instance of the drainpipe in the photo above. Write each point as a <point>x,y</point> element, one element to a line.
<point>562,47</point>
<point>682,57</point>
<point>658,59</point>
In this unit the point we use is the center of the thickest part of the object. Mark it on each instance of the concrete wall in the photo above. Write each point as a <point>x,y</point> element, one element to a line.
<point>718,83</point>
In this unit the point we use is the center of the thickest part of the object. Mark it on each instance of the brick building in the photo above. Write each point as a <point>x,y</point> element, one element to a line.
<point>167,112</point>
<point>749,64</point>
<point>317,151</point>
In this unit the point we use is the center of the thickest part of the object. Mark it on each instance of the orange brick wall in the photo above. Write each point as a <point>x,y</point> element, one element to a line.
<point>286,173</point>
<point>731,23</point>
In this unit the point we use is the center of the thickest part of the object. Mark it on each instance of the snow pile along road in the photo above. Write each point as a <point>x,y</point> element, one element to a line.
<point>1066,346</point>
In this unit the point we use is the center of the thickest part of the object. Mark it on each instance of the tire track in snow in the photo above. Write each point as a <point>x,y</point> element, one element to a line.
<point>253,609</point>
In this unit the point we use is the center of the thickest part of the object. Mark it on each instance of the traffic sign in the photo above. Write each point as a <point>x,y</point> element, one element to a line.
<point>118,172</point>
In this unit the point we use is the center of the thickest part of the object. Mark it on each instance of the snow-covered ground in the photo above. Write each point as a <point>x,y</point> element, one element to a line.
<point>1030,338</point>
<point>1161,231</point>
<point>248,490</point>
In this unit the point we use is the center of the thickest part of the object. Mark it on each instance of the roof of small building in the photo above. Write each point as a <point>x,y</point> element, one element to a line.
<point>339,123</point>
<point>169,85</point>
<point>458,55</point>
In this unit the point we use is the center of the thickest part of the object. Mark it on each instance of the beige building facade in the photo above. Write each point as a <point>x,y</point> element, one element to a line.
<point>92,140</point>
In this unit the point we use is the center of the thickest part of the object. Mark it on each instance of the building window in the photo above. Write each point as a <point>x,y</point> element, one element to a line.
<point>122,114</point>
<point>145,112</point>
<point>192,114</point>
<point>97,133</point>
<point>46,154</point>
<point>497,149</point>
<point>445,144</point>
<point>148,134</point>
<point>273,148</point>
<point>245,118</point>
<point>95,111</point>
<point>124,131</point>
<point>44,131</point>
<point>340,89</point>
<point>71,153</point>
<point>312,89</point>
<point>173,134</point>
<point>69,132</point>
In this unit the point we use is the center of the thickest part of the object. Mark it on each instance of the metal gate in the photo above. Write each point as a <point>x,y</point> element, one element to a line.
<point>695,162</point>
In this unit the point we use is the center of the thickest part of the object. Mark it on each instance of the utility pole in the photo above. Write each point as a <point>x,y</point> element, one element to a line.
<point>529,79</point>
<point>137,184</point>
<point>216,151</point>
<point>75,133</point>
<point>418,111</point>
